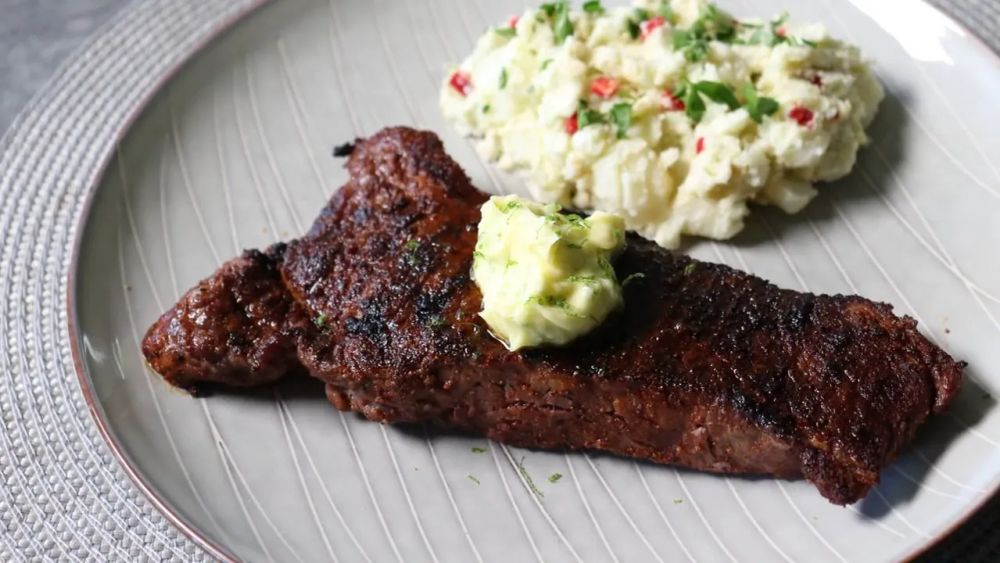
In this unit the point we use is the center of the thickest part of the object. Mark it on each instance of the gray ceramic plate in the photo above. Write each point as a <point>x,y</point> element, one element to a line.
<point>234,153</point>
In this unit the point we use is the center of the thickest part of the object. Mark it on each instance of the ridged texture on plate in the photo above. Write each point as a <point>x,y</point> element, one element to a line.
<point>63,496</point>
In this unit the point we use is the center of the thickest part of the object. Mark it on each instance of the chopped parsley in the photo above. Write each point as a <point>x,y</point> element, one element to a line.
<point>665,10</point>
<point>639,15</point>
<point>586,116</point>
<point>689,269</point>
<point>678,500</point>
<point>621,117</point>
<point>555,477</point>
<point>527,478</point>
<point>507,32</point>
<point>410,249</point>
<point>502,81</point>
<point>758,106</point>
<point>558,11</point>
<point>546,63</point>
<point>487,108</point>
<point>694,106</point>
<point>772,34</point>
<point>593,7</point>
<point>320,320</point>
<point>633,29</point>
<point>711,25</point>
<point>478,450</point>
<point>717,92</point>
<point>510,206</point>
<point>473,479</point>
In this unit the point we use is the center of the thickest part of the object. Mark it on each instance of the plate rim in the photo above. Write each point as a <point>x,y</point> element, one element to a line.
<point>94,407</point>
<point>96,410</point>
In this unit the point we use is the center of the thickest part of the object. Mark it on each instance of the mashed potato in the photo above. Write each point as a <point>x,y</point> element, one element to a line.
<point>671,114</point>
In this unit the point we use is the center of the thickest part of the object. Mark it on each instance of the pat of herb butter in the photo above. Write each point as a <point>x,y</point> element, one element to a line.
<point>546,277</point>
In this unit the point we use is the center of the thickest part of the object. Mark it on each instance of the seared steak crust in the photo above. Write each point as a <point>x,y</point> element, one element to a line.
<point>705,366</point>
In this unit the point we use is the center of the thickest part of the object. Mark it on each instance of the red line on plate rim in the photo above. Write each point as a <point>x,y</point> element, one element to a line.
<point>86,385</point>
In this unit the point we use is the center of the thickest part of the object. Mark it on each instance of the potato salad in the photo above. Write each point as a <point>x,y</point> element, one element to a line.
<point>672,114</point>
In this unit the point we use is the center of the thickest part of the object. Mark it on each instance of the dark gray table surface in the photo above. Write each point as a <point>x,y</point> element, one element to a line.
<point>36,36</point>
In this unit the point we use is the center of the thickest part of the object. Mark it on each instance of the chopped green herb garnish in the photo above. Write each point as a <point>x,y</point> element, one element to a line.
<point>586,116</point>
<point>758,106</point>
<point>473,479</point>
<point>718,92</point>
<point>509,206</point>
<point>694,106</point>
<point>631,277</point>
<point>593,7</point>
<point>507,32</point>
<point>410,252</point>
<point>478,450</point>
<point>527,478</point>
<point>546,63</point>
<point>665,10</point>
<point>678,500</point>
<point>606,267</point>
<point>633,28</point>
<point>550,301</point>
<point>773,34</point>
<point>320,320</point>
<point>487,108</point>
<point>585,280</point>
<point>641,14</point>
<point>549,8</point>
<point>562,27</point>
<point>689,269</point>
<point>436,321</point>
<point>621,117</point>
<point>711,25</point>
<point>502,81</point>
<point>555,477</point>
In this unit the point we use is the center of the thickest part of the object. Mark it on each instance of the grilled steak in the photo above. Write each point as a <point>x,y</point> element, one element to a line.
<point>705,367</point>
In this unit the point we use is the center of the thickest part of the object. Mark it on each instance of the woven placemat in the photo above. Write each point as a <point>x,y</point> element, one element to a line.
<point>62,495</point>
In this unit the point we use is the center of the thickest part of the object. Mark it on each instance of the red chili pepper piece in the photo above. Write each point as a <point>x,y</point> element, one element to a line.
<point>651,25</point>
<point>781,31</point>
<point>604,86</point>
<point>673,102</point>
<point>699,145</point>
<point>802,116</point>
<point>461,82</point>
<point>572,124</point>
<point>512,22</point>
<point>817,80</point>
